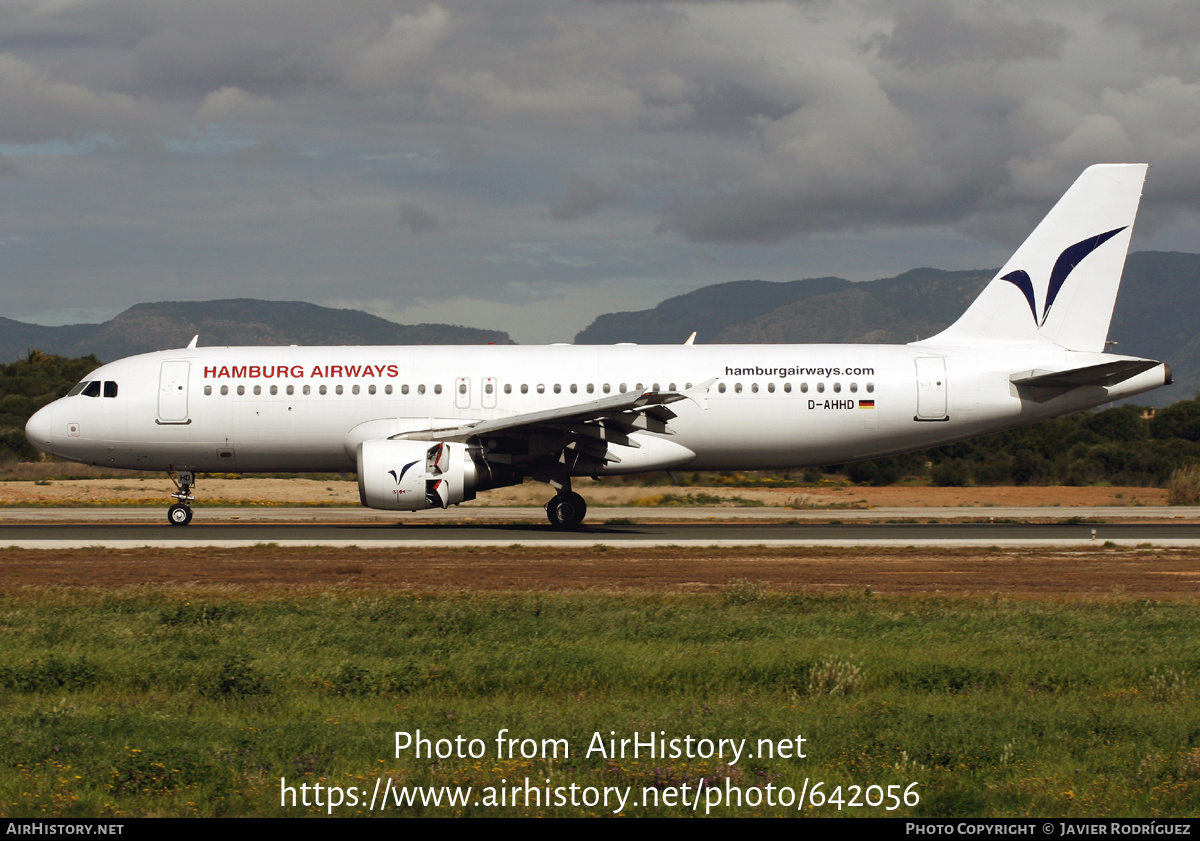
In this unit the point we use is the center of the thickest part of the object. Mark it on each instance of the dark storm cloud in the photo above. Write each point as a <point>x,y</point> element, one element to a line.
<point>417,219</point>
<point>584,197</point>
<point>303,134</point>
<point>928,35</point>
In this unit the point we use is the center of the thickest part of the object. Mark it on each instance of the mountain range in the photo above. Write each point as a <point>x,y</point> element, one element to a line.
<point>234,322</point>
<point>1155,316</point>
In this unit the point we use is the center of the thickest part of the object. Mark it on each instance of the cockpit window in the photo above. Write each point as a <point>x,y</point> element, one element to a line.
<point>78,388</point>
<point>92,389</point>
<point>110,389</point>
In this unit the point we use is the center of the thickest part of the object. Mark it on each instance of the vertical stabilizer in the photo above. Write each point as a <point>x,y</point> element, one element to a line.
<point>1061,284</point>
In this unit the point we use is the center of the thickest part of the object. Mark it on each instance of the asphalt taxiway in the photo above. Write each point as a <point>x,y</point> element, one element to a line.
<point>52,528</point>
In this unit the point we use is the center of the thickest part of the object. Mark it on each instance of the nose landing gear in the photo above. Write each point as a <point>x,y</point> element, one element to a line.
<point>180,514</point>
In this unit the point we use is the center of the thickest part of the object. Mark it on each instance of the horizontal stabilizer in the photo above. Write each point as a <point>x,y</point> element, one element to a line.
<point>1104,374</point>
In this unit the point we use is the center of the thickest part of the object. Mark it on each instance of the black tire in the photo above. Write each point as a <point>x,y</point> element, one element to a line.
<point>566,511</point>
<point>179,515</point>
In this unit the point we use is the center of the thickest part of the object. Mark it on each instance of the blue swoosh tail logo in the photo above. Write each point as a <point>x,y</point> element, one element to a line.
<point>1063,266</point>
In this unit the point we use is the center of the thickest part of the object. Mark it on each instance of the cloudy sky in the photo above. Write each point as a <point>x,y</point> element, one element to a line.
<point>525,165</point>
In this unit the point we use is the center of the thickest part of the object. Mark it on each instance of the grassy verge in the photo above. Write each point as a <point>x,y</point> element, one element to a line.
<point>193,701</point>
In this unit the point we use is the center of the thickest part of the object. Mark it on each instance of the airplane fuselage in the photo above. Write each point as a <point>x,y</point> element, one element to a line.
<point>255,409</point>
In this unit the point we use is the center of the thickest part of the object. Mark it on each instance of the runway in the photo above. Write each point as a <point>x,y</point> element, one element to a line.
<point>432,533</point>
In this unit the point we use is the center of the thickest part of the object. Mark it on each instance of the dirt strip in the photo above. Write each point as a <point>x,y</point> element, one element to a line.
<point>1045,573</point>
<point>154,490</point>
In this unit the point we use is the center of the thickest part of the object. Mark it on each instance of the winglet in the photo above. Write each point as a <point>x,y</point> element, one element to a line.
<point>691,339</point>
<point>192,343</point>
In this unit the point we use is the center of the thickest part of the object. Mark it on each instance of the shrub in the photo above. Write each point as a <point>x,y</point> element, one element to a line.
<point>1183,488</point>
<point>835,677</point>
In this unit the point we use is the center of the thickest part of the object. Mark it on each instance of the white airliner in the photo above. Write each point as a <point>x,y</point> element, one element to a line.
<point>432,426</point>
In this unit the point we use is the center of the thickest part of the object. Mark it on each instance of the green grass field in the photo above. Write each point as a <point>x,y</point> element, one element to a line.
<point>190,701</point>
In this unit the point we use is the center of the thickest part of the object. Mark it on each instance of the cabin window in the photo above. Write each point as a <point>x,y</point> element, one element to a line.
<point>207,390</point>
<point>224,390</point>
<point>622,388</point>
<point>721,387</point>
<point>421,389</point>
<point>387,389</point>
<point>870,388</point>
<point>354,389</point>
<point>591,388</point>
<point>671,387</point>
<point>639,387</point>
<point>574,388</point>
<point>737,388</point>
<point>557,388</point>
<point>241,390</point>
<point>508,388</point>
<point>821,388</point>
<point>370,388</point>
<point>488,388</point>
<point>337,390</point>
<point>541,389</point>
<point>274,389</point>
<point>754,388</point>
<point>770,388</point>
<point>404,389</point>
<point>291,389</point>
<point>837,388</point>
<point>323,390</point>
<point>462,388</point>
<point>308,389</point>
<point>853,388</point>
<point>92,389</point>
<point>437,389</point>
<point>524,388</point>
<point>787,387</point>
<point>257,390</point>
<point>607,388</point>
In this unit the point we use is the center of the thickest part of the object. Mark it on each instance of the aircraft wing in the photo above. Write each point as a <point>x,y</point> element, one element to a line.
<point>569,433</point>
<point>621,409</point>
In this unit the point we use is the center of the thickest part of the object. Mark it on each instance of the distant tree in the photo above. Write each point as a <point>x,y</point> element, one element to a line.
<point>29,384</point>
<point>1179,420</point>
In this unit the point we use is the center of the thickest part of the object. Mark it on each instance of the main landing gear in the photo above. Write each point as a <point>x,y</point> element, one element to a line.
<point>567,510</point>
<point>180,514</point>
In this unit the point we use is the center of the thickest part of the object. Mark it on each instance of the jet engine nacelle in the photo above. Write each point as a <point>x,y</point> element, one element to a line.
<point>412,475</point>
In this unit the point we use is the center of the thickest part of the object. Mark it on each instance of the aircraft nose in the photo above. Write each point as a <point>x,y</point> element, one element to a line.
<point>38,429</point>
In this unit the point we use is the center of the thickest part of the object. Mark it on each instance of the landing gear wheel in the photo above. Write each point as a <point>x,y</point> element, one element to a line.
<point>180,514</point>
<point>566,511</point>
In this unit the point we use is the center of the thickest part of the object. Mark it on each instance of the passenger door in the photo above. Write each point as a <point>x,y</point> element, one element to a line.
<point>173,392</point>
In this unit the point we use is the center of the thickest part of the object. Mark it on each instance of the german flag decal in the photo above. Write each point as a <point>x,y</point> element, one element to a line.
<point>866,404</point>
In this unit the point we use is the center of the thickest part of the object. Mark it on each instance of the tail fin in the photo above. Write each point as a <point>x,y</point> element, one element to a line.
<point>1061,284</point>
